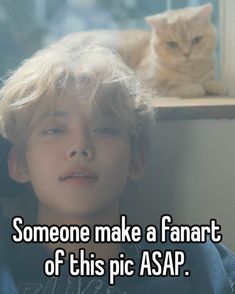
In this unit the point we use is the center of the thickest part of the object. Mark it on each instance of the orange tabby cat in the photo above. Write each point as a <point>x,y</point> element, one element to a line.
<point>177,58</point>
<point>181,56</point>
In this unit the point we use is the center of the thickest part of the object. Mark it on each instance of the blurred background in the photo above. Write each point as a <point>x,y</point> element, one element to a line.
<point>28,25</point>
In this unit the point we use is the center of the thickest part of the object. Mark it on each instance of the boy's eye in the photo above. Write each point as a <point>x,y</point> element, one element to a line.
<point>106,131</point>
<point>53,131</point>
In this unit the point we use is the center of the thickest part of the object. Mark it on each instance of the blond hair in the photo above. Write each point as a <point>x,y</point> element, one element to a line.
<point>96,73</point>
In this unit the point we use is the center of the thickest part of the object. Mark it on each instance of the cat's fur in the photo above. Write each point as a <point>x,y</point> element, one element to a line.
<point>176,58</point>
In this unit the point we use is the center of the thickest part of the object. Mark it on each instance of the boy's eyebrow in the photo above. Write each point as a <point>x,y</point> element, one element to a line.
<point>110,115</point>
<point>58,113</point>
<point>107,116</point>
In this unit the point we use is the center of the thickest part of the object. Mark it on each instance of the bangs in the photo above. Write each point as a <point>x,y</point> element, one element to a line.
<point>109,98</point>
<point>113,99</point>
<point>96,75</point>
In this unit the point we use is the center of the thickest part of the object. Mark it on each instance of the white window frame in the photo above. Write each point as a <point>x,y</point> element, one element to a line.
<point>227,43</point>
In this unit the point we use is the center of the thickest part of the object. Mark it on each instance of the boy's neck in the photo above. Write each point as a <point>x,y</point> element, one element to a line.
<point>102,250</point>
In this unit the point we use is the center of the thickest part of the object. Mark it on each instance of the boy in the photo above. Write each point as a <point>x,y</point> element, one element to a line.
<point>79,124</point>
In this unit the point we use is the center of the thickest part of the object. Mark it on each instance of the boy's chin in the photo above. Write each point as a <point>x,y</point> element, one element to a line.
<point>88,212</point>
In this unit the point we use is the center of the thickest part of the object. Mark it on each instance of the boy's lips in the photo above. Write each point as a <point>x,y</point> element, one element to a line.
<point>79,174</point>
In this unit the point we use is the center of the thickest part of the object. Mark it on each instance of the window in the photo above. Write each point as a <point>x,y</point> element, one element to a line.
<point>227,41</point>
<point>27,25</point>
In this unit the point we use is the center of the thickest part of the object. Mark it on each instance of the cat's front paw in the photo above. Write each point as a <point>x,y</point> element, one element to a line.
<point>215,88</point>
<point>189,91</point>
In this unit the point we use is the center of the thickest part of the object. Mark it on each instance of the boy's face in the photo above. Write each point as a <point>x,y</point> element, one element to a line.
<point>78,162</point>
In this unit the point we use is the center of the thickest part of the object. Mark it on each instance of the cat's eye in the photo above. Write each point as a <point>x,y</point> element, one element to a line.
<point>172,44</point>
<point>196,40</point>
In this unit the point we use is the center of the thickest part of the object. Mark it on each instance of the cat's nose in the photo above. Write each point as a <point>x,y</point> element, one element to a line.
<point>187,54</point>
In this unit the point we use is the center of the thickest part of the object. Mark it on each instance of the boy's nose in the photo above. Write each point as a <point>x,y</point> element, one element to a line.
<point>76,153</point>
<point>80,150</point>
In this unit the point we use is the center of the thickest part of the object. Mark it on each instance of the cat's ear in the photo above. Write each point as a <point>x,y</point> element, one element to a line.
<point>205,12</point>
<point>156,22</point>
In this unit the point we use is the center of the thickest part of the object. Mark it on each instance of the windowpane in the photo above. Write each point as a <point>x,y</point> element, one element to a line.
<point>27,25</point>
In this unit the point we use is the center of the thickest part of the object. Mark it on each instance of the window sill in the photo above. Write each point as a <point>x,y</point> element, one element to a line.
<point>194,108</point>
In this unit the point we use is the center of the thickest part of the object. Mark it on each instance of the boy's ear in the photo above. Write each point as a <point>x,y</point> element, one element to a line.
<point>137,165</point>
<point>17,171</point>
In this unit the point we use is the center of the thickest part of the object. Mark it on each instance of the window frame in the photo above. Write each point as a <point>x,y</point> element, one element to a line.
<point>227,44</point>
